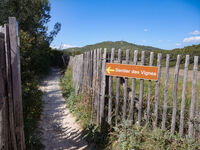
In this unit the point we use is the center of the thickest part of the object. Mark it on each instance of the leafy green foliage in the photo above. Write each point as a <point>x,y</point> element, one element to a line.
<point>56,58</point>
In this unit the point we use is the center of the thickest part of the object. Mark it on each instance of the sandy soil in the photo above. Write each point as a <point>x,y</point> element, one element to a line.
<point>59,128</point>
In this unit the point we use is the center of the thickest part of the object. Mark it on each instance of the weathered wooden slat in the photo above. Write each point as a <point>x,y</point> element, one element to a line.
<point>110,89</point>
<point>131,111</point>
<point>94,79</point>
<point>149,89</point>
<point>92,85</point>
<point>89,71</point>
<point>4,115</point>
<point>166,85</point>
<point>181,127</point>
<point>199,122</point>
<point>16,78</point>
<point>2,91</point>
<point>86,72</point>
<point>79,73</point>
<point>176,75</point>
<point>103,86</point>
<point>11,139</point>
<point>99,84</point>
<point>91,68</point>
<point>193,100</point>
<point>141,92</point>
<point>118,89</point>
<point>157,91</point>
<point>126,88</point>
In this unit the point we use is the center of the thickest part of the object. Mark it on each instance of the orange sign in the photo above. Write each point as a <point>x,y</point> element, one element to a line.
<point>132,71</point>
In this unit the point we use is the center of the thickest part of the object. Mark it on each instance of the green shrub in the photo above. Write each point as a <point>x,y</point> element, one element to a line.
<point>128,137</point>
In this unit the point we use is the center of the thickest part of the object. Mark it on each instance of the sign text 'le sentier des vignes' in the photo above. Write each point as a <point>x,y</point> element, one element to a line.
<point>132,71</point>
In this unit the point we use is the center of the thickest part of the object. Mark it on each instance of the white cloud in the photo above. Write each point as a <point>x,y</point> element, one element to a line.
<point>65,46</point>
<point>193,39</point>
<point>178,44</point>
<point>169,40</point>
<point>146,30</point>
<point>144,41</point>
<point>160,40</point>
<point>195,32</point>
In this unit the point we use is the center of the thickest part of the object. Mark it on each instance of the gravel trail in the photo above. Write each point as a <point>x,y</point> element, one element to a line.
<point>59,128</point>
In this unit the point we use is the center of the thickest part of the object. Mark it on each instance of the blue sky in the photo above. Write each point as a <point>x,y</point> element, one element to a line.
<point>164,24</point>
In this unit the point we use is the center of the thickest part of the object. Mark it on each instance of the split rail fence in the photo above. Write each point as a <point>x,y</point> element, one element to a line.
<point>11,114</point>
<point>113,100</point>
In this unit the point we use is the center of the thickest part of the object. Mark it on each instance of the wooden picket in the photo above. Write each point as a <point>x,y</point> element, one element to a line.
<point>111,89</point>
<point>194,90</point>
<point>165,92</point>
<point>131,111</point>
<point>184,94</point>
<point>126,88</point>
<point>118,90</point>
<point>149,89</point>
<point>176,75</point>
<point>141,91</point>
<point>103,86</point>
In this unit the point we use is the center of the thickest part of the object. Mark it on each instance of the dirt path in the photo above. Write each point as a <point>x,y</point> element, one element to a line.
<point>60,131</point>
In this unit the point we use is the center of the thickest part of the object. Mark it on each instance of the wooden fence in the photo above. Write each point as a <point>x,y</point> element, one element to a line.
<point>141,101</point>
<point>11,115</point>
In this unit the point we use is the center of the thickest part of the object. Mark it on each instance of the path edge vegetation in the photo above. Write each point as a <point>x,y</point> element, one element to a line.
<point>124,136</point>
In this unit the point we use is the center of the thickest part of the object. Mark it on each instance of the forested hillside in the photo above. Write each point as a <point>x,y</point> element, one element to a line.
<point>109,44</point>
<point>193,50</point>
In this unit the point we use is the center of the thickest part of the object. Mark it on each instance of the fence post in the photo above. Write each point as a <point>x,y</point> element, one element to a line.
<point>94,79</point>
<point>183,94</point>
<point>2,91</point>
<point>131,111</point>
<point>194,90</point>
<point>91,68</point>
<point>13,142</point>
<point>157,91</point>
<point>149,89</point>
<point>176,75</point>
<point>110,89</point>
<point>141,91</point>
<point>103,86</point>
<point>125,87</point>
<point>164,115</point>
<point>99,57</point>
<point>16,78</point>
<point>118,89</point>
